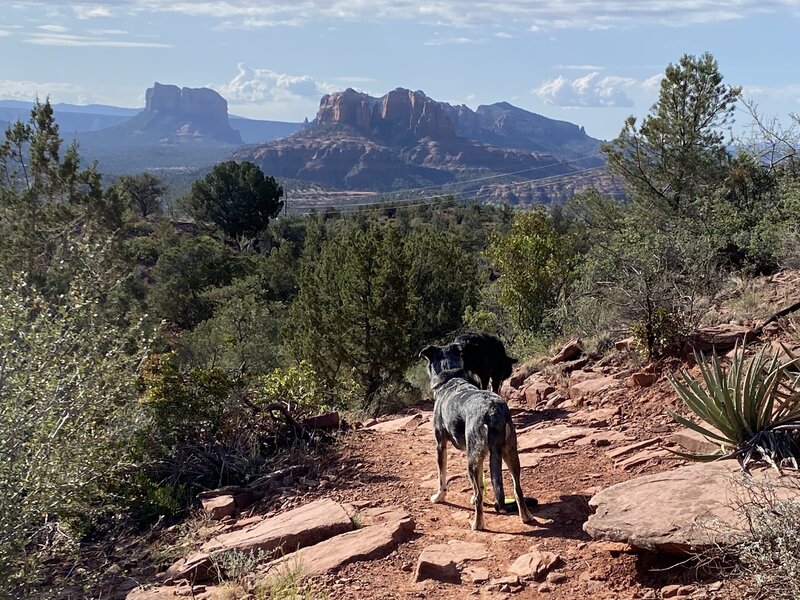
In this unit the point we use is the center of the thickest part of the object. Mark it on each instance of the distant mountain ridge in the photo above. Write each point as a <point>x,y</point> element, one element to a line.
<point>406,139</point>
<point>84,118</point>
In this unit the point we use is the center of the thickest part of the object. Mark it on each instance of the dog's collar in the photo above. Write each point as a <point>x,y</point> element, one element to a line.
<point>451,374</point>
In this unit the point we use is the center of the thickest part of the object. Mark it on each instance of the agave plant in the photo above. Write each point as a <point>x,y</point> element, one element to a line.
<point>752,407</point>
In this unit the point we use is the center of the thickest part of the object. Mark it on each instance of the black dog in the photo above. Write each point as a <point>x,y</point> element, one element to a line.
<point>485,356</point>
<point>476,421</point>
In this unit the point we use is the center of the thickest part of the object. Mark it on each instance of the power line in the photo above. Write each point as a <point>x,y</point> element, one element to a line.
<point>482,178</point>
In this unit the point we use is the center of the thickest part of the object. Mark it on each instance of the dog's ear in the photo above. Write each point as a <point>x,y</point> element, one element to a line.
<point>429,352</point>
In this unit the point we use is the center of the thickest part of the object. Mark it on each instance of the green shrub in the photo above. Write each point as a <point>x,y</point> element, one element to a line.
<point>661,333</point>
<point>68,412</point>
<point>297,387</point>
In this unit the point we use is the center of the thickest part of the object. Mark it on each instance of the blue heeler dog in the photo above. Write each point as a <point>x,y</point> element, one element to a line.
<point>476,421</point>
<point>485,356</point>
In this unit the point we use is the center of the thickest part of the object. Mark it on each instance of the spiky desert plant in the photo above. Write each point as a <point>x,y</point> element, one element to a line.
<point>753,407</point>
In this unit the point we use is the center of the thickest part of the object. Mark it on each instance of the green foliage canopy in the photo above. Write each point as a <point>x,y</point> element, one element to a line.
<point>237,197</point>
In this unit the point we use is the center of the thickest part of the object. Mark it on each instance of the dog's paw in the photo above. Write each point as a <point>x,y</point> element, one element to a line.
<point>439,497</point>
<point>477,524</point>
<point>527,517</point>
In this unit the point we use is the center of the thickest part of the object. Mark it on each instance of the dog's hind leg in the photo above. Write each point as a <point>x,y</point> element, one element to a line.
<point>475,472</point>
<point>441,459</point>
<point>512,462</point>
<point>476,452</point>
<point>496,473</point>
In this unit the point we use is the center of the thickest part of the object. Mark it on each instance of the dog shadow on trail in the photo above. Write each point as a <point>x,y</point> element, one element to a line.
<point>563,518</point>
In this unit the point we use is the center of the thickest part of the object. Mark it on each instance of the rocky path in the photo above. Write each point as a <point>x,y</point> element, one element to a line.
<point>367,528</point>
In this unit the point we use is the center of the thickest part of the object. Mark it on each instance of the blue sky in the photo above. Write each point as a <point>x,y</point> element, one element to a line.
<point>592,63</point>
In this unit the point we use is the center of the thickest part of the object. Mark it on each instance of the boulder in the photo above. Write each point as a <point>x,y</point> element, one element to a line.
<point>537,391</point>
<point>571,350</point>
<point>519,375</point>
<point>624,344</point>
<point>442,561</point>
<point>719,337</point>
<point>219,507</point>
<point>641,379</point>
<point>573,365</point>
<point>369,543</point>
<point>679,511</point>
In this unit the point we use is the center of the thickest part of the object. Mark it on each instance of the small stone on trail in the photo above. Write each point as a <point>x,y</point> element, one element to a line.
<point>534,565</point>
<point>440,561</point>
<point>670,591</point>
<point>477,574</point>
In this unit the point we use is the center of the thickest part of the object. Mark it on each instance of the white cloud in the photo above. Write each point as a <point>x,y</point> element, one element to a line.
<point>28,90</point>
<point>107,31</point>
<point>580,67</point>
<point>82,41</point>
<point>538,15</point>
<point>254,86</point>
<point>592,90</point>
<point>503,35</point>
<point>53,28</point>
<point>4,33</point>
<point>451,41</point>
<point>91,10</point>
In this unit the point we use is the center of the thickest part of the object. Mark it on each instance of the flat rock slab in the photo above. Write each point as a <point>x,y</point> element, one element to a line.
<point>603,438</point>
<point>301,526</point>
<point>369,543</point>
<point>682,510</point>
<point>532,439</point>
<point>641,458</point>
<point>532,459</point>
<point>618,452</point>
<point>395,425</point>
<point>600,417</point>
<point>693,441</point>
<point>592,387</point>
<point>442,562</point>
<point>719,337</point>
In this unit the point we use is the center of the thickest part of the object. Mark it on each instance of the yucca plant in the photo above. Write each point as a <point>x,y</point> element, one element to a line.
<point>753,407</point>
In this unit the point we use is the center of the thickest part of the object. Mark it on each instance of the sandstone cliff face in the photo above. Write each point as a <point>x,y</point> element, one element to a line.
<point>187,114</point>
<point>349,107</point>
<point>400,116</point>
<point>405,139</point>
